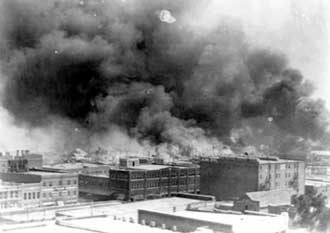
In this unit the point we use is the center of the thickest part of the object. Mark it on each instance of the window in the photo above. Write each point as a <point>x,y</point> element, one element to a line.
<point>29,196</point>
<point>33,195</point>
<point>74,192</point>
<point>60,182</point>
<point>24,196</point>
<point>50,184</point>
<point>74,181</point>
<point>44,183</point>
<point>38,195</point>
<point>69,182</point>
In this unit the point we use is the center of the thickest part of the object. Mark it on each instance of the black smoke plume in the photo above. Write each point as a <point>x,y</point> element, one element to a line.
<point>104,64</point>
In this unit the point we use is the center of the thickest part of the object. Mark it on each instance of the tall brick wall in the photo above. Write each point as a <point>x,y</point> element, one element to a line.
<point>228,178</point>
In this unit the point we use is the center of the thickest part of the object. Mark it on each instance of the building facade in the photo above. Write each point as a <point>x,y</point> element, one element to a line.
<point>21,161</point>
<point>232,177</point>
<point>318,186</point>
<point>9,197</point>
<point>93,178</point>
<point>135,181</point>
<point>46,188</point>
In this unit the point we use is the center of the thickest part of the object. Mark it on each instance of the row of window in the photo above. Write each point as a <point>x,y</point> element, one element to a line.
<point>278,175</point>
<point>60,194</point>
<point>60,182</point>
<point>31,195</point>
<point>152,184</point>
<point>8,194</point>
<point>279,166</point>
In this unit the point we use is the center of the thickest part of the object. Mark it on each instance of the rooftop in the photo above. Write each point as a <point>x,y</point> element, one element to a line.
<point>73,165</point>
<point>47,174</point>
<point>130,209</point>
<point>94,224</point>
<point>317,183</point>
<point>321,152</point>
<point>272,197</point>
<point>240,223</point>
<point>150,167</point>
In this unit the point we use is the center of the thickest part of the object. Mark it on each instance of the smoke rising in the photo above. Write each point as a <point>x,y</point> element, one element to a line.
<point>112,74</point>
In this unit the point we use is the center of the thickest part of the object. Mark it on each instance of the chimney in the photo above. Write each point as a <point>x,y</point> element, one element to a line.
<point>17,153</point>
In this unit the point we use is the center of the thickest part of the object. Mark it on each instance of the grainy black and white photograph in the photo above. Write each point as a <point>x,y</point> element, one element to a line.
<point>162,116</point>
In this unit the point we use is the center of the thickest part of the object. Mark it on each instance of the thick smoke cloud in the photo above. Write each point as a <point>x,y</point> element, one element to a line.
<point>114,66</point>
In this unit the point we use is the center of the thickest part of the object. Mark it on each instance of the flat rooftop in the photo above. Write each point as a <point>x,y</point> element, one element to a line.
<point>317,183</point>
<point>92,225</point>
<point>128,210</point>
<point>74,165</point>
<point>150,167</point>
<point>240,222</point>
<point>48,174</point>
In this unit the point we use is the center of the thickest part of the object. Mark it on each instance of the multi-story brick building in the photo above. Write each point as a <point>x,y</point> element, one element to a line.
<point>9,197</point>
<point>55,188</point>
<point>21,161</point>
<point>93,178</point>
<point>15,196</point>
<point>232,177</point>
<point>135,181</point>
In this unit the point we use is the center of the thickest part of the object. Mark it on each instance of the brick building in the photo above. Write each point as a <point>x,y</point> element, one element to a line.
<point>93,178</point>
<point>55,188</point>
<point>9,197</point>
<point>19,161</point>
<point>135,181</point>
<point>15,196</point>
<point>232,177</point>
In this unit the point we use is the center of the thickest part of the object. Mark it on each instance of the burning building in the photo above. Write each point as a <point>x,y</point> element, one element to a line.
<point>134,75</point>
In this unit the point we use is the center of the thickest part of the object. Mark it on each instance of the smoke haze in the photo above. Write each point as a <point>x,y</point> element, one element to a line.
<point>114,74</point>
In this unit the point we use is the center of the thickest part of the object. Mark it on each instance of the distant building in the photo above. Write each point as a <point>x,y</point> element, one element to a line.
<point>135,181</point>
<point>319,157</point>
<point>55,188</point>
<point>318,186</point>
<point>317,170</point>
<point>19,161</point>
<point>273,201</point>
<point>231,177</point>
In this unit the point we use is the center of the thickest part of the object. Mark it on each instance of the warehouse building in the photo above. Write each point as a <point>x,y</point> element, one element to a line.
<point>232,177</point>
<point>135,181</point>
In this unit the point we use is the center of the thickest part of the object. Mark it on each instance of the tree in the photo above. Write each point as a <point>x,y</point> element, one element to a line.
<point>311,211</point>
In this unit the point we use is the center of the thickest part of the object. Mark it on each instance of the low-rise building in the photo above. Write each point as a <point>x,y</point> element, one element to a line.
<point>274,201</point>
<point>318,186</point>
<point>231,177</point>
<point>55,188</point>
<point>135,181</point>
<point>93,178</point>
<point>192,221</point>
